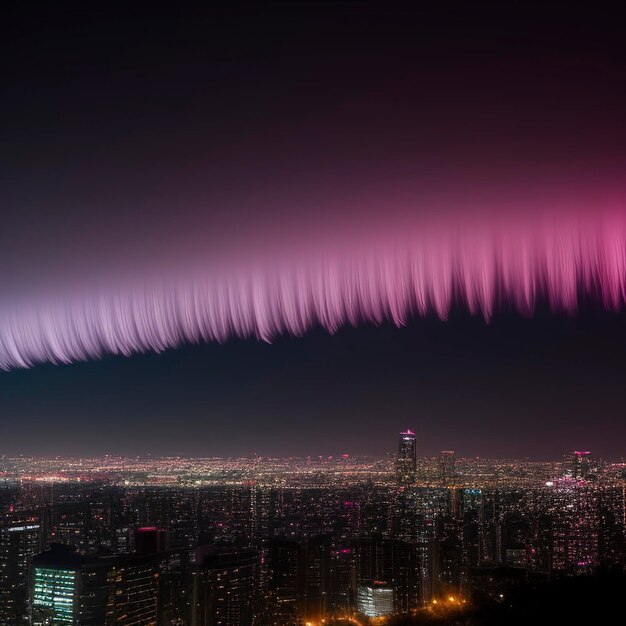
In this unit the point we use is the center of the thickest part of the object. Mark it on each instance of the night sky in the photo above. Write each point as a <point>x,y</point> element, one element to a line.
<point>138,144</point>
<point>517,387</point>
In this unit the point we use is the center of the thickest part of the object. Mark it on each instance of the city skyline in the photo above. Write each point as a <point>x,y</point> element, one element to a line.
<point>407,448</point>
<point>312,313</point>
<point>298,543</point>
<point>402,468</point>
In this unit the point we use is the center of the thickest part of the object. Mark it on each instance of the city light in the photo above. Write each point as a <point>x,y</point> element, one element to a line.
<point>230,499</point>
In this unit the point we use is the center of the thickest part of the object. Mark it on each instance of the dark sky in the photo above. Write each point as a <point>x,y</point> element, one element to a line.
<point>516,387</point>
<point>129,138</point>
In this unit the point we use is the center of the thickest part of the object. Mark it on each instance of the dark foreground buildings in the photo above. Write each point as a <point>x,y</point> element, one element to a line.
<point>224,584</point>
<point>260,554</point>
<point>95,591</point>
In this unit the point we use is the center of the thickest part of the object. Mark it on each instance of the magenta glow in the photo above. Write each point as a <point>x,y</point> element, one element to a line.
<point>374,275</point>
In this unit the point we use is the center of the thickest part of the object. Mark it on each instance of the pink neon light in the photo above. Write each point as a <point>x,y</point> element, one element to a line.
<point>383,274</point>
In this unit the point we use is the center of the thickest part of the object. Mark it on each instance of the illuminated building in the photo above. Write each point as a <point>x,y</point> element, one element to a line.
<point>375,599</point>
<point>286,582</point>
<point>320,529</point>
<point>342,579</point>
<point>446,467</point>
<point>54,597</point>
<point>224,588</point>
<point>582,466</point>
<point>133,587</point>
<point>406,461</point>
<point>77,590</point>
<point>70,521</point>
<point>56,587</point>
<point>396,562</point>
<point>20,540</point>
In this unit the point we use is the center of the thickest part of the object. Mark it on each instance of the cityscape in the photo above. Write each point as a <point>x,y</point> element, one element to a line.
<point>312,313</point>
<point>297,541</point>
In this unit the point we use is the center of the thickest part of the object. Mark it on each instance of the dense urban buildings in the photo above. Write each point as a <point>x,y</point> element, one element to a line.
<point>235,542</point>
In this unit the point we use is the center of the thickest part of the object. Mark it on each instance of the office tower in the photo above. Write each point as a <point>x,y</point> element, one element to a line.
<point>182,520</point>
<point>56,587</point>
<point>448,553</point>
<point>77,590</point>
<point>286,582</point>
<point>397,563</point>
<point>401,571</point>
<point>516,539</point>
<point>69,524</point>
<point>446,468</point>
<point>262,499</point>
<point>491,531</point>
<point>99,536</point>
<point>574,527</point>
<point>224,584</point>
<point>611,528</point>
<point>123,539</point>
<point>581,465</point>
<point>321,572</point>
<point>342,579</point>
<point>20,540</point>
<point>583,529</point>
<point>375,599</point>
<point>406,462</point>
<point>406,519</point>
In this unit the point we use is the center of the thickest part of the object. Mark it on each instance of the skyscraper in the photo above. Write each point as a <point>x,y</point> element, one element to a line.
<point>406,462</point>
<point>446,467</point>
<point>56,586</point>
<point>20,540</point>
<point>581,465</point>
<point>286,581</point>
<point>68,588</point>
<point>224,587</point>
